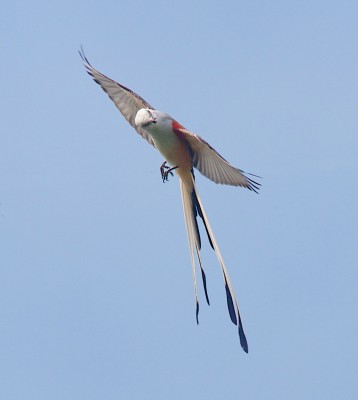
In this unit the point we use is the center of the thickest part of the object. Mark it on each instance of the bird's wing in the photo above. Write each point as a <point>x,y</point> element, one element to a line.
<point>211,164</point>
<point>127,102</point>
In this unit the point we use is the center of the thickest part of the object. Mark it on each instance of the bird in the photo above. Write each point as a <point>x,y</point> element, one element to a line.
<point>183,151</point>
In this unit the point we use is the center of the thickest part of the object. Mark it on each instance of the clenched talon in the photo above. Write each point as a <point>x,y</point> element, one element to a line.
<point>165,170</point>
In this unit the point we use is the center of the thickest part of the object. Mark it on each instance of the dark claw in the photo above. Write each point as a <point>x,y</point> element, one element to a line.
<point>165,170</point>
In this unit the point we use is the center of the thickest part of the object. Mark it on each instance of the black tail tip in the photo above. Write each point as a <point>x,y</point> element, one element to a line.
<point>243,340</point>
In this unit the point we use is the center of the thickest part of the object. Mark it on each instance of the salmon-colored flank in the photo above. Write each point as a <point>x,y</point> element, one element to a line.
<point>178,129</point>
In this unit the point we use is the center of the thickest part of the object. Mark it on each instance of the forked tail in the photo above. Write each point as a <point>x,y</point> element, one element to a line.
<point>193,207</point>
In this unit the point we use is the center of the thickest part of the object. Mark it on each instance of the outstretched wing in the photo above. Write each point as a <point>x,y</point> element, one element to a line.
<point>127,102</point>
<point>211,164</point>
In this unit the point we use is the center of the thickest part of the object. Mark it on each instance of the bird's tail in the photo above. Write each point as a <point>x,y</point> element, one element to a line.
<point>193,207</point>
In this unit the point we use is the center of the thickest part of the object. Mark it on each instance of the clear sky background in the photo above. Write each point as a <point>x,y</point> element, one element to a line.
<point>96,295</point>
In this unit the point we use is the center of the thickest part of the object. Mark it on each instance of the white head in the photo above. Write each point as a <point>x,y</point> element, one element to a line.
<point>147,118</point>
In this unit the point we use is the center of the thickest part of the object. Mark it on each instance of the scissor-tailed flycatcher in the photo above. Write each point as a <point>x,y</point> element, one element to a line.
<point>183,150</point>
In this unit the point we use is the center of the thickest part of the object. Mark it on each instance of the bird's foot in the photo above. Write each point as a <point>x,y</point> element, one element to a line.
<point>165,170</point>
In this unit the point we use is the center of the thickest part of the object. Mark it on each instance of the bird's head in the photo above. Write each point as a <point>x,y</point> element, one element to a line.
<point>145,117</point>
<point>152,120</point>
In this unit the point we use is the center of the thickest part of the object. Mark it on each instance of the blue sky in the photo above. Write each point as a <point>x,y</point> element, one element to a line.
<point>95,279</point>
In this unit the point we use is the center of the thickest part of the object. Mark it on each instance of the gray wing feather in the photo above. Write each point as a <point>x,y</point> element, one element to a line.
<point>127,102</point>
<point>212,165</point>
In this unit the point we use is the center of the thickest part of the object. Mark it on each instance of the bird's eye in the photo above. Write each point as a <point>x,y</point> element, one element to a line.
<point>152,118</point>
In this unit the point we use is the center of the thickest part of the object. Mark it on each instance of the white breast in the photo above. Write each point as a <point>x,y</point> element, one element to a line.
<point>165,140</point>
